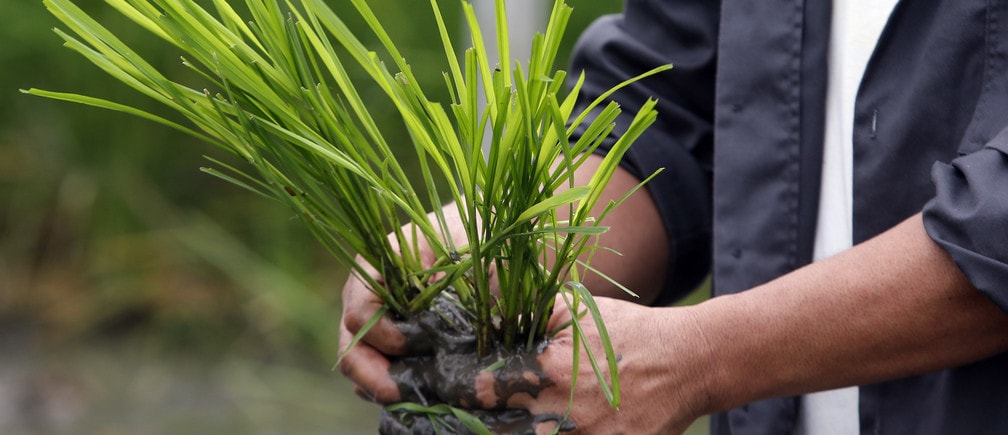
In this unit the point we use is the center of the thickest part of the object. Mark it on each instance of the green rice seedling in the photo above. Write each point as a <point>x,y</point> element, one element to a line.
<point>282,90</point>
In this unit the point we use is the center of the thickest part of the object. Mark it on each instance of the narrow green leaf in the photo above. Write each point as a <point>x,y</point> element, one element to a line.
<point>363,331</point>
<point>565,197</point>
<point>611,389</point>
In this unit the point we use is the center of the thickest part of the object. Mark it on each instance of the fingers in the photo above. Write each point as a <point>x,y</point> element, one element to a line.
<point>369,370</point>
<point>532,399</point>
<point>547,380</point>
<point>366,363</point>
<point>359,306</point>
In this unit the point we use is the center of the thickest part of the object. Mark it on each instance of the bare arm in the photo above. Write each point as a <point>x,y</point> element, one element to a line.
<point>891,307</point>
<point>636,233</point>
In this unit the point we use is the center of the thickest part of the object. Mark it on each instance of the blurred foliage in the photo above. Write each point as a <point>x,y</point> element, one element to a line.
<point>114,247</point>
<point>108,229</point>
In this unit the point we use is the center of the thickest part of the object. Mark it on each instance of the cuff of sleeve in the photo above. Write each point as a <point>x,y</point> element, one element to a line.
<point>969,216</point>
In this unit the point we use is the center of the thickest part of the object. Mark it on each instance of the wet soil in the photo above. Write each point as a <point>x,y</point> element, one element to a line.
<point>445,373</point>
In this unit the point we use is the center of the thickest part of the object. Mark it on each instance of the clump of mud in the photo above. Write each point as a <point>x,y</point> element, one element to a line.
<point>444,370</point>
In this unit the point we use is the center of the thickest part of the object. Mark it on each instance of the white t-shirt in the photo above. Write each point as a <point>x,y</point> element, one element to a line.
<point>856,27</point>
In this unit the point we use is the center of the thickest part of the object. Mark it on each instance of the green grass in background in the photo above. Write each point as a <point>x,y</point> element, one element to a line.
<point>101,213</point>
<point>116,251</point>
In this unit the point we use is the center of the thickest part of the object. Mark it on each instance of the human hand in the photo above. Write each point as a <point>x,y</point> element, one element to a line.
<point>421,361</point>
<point>661,373</point>
<point>661,368</point>
<point>386,346</point>
<point>367,363</point>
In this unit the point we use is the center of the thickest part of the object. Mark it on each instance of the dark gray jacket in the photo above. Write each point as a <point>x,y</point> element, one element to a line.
<point>740,138</point>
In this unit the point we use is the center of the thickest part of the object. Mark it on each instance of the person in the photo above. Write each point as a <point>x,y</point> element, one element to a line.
<point>869,136</point>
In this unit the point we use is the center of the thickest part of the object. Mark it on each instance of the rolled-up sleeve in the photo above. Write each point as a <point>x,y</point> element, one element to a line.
<point>649,34</point>
<point>969,216</point>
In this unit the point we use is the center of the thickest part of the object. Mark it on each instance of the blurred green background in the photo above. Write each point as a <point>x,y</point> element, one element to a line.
<point>138,295</point>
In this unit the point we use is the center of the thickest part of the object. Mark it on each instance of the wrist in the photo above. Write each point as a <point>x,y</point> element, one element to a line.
<point>724,362</point>
<point>687,373</point>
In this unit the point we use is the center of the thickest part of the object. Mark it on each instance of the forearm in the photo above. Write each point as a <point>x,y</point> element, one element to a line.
<point>637,247</point>
<point>891,307</point>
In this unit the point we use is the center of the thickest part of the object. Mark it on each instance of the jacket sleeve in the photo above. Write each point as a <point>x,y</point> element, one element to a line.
<point>648,34</point>
<point>969,216</point>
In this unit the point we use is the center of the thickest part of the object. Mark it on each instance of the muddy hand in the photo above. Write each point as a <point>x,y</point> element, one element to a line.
<point>367,362</point>
<point>503,422</point>
<point>655,372</point>
<point>449,375</point>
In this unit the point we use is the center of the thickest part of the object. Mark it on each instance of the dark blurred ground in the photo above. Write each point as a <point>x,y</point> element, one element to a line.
<point>124,388</point>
